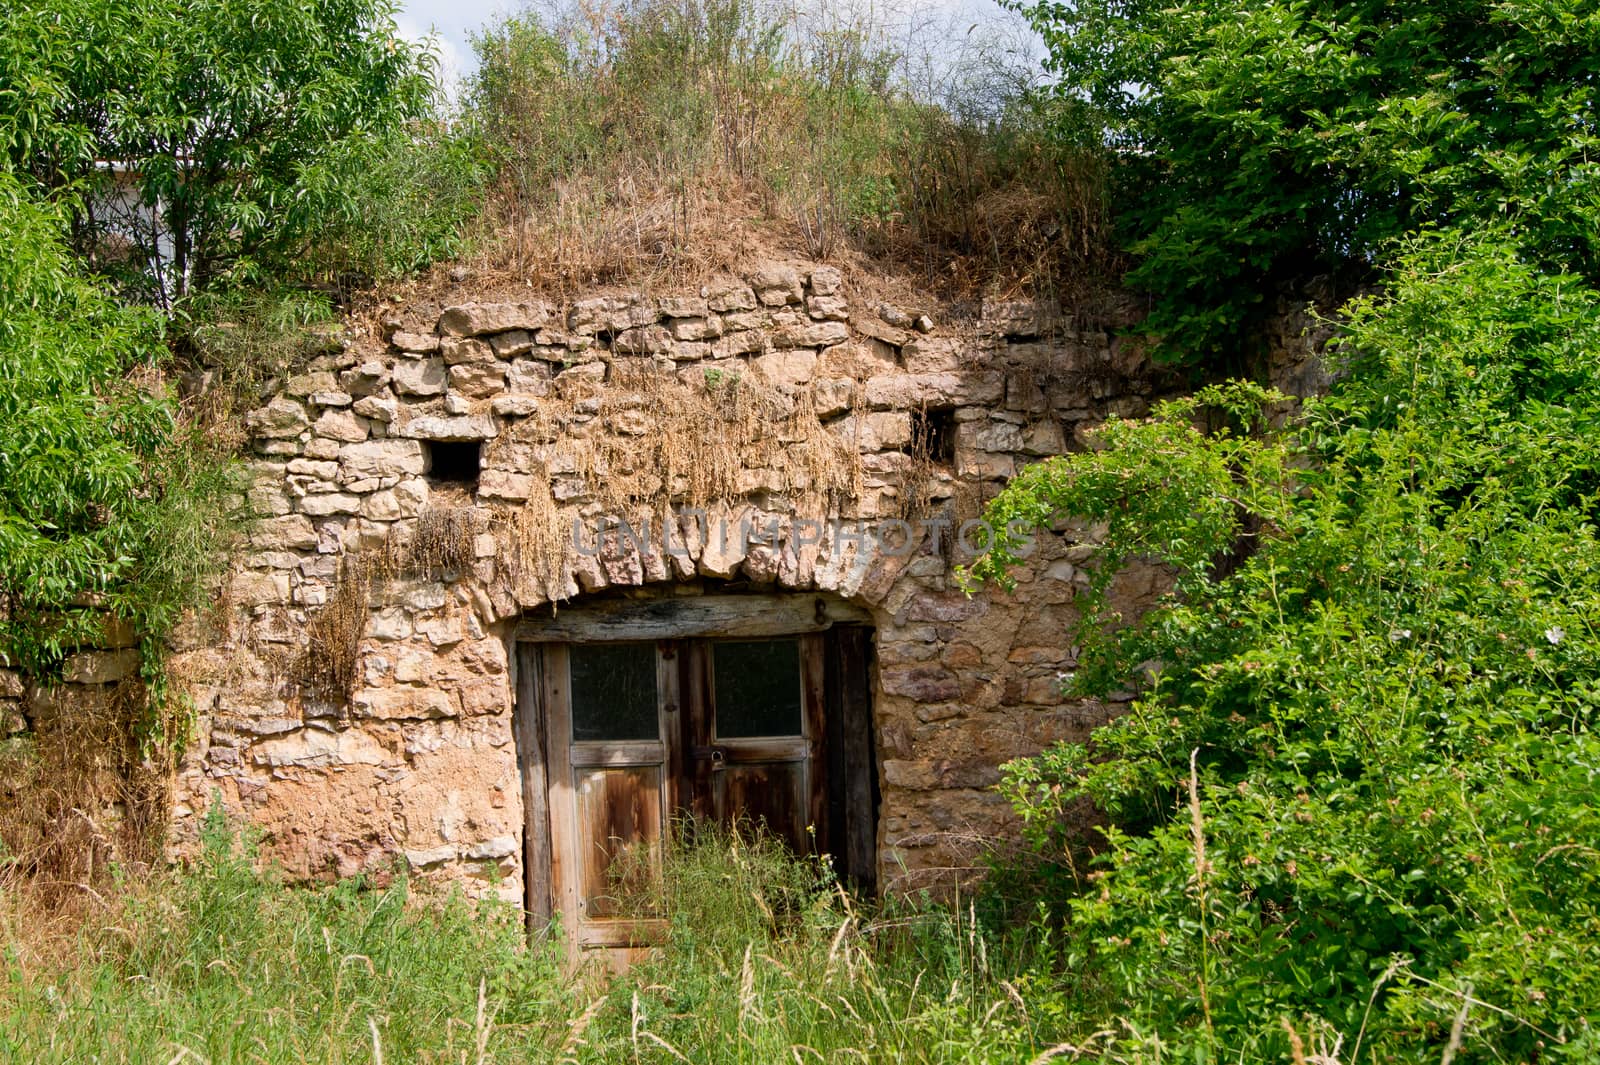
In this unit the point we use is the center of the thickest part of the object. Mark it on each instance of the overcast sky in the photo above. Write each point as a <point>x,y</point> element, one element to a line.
<point>453,20</point>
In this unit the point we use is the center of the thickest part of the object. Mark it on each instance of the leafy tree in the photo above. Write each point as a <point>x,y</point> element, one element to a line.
<point>1266,142</point>
<point>243,125</point>
<point>1359,794</point>
<point>103,496</point>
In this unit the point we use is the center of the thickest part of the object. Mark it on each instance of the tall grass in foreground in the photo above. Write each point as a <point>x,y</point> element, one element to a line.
<point>766,962</point>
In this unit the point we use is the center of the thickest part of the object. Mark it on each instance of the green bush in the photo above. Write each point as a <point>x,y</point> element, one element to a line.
<point>100,499</point>
<point>1265,143</point>
<point>1358,798</point>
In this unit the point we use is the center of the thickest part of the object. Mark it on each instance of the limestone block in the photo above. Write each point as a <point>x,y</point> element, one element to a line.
<point>498,847</point>
<point>776,284</point>
<point>696,328</point>
<point>587,372</point>
<point>514,405</point>
<point>281,418</point>
<point>422,377</point>
<point>530,376</point>
<point>1011,318</point>
<point>875,431</point>
<point>825,280</point>
<point>326,471</point>
<point>909,391</point>
<point>726,297</point>
<point>365,379</point>
<point>631,423</point>
<point>924,684</point>
<point>422,858</point>
<point>946,609</point>
<point>475,319</point>
<point>988,465</point>
<point>331,399</point>
<point>416,343</point>
<point>746,343</point>
<point>290,532</point>
<point>938,355</point>
<point>456,350</point>
<point>412,494</point>
<point>828,308</point>
<point>312,748</point>
<point>307,384</point>
<point>630,311</point>
<point>404,704</point>
<point>443,631</point>
<point>1044,438</point>
<point>267,499</point>
<point>788,367</point>
<point>459,428</point>
<point>913,776</point>
<point>998,436</point>
<point>503,484</point>
<point>832,395</point>
<point>341,425</point>
<point>381,458</point>
<point>510,345</point>
<point>811,335</point>
<point>874,327</point>
<point>376,408</point>
<point>643,340</point>
<point>327,504</point>
<point>743,320</point>
<point>105,667</point>
<point>478,379</point>
<point>682,307</point>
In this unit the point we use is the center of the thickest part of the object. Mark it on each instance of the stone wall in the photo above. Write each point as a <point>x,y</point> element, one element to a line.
<point>358,706</point>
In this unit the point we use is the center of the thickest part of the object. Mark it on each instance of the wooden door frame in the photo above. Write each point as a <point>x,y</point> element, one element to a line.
<point>542,725</point>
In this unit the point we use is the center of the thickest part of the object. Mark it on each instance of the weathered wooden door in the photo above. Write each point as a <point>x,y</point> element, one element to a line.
<point>756,732</point>
<point>721,721</point>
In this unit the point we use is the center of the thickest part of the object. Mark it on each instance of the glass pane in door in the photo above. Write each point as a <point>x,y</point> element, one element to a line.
<point>757,686</point>
<point>614,692</point>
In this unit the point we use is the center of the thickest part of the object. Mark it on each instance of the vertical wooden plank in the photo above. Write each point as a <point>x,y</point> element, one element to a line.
<point>813,701</point>
<point>860,785</point>
<point>564,864</point>
<point>528,717</point>
<point>698,731</point>
<point>619,819</point>
<point>833,689</point>
<point>670,663</point>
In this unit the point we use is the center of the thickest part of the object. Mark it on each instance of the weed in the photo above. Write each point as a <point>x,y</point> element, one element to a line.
<point>766,960</point>
<point>640,140</point>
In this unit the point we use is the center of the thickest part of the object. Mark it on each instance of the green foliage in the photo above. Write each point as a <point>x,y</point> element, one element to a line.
<point>1389,703</point>
<point>99,500</point>
<point>1266,143</point>
<point>244,128</point>
<point>391,205</point>
<point>765,961</point>
<point>635,135</point>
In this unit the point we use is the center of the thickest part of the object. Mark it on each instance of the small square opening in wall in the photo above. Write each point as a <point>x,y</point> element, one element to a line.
<point>453,462</point>
<point>933,435</point>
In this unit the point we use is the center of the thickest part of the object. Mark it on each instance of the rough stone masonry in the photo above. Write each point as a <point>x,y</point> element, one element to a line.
<point>416,497</point>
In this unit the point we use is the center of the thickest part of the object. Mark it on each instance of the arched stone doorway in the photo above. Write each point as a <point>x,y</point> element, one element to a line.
<point>634,713</point>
